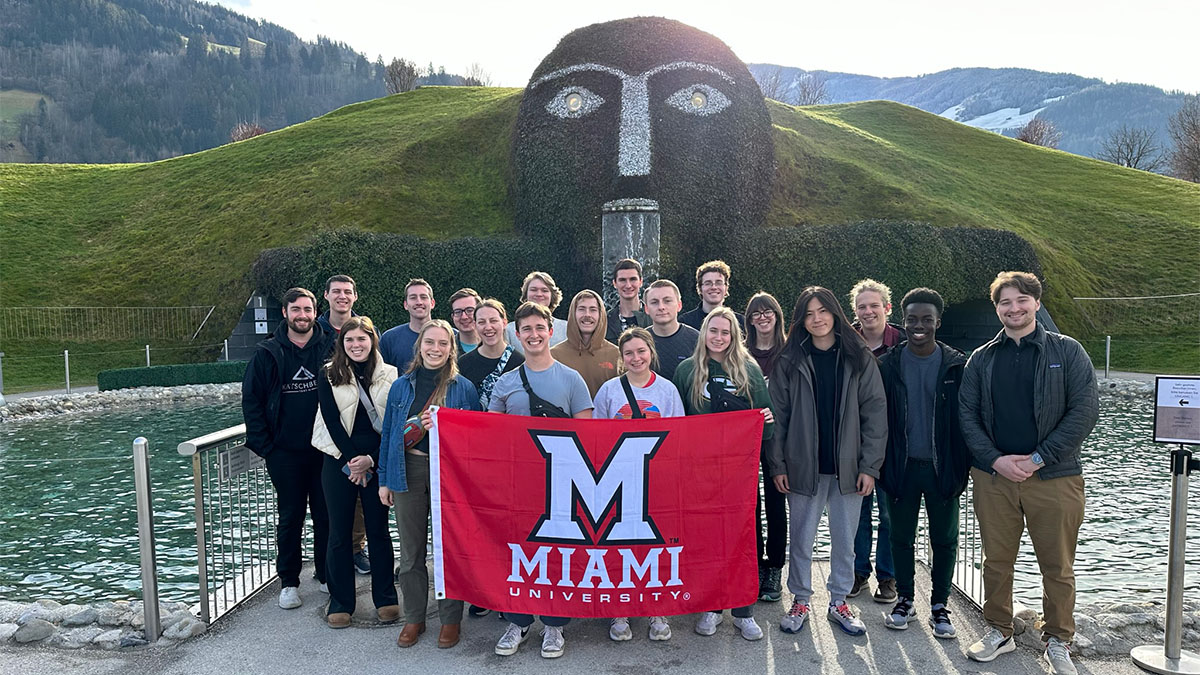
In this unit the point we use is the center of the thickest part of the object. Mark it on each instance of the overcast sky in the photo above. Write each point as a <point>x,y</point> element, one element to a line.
<point>1148,41</point>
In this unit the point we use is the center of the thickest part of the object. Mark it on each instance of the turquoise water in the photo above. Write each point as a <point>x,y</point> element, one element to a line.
<point>68,523</point>
<point>68,517</point>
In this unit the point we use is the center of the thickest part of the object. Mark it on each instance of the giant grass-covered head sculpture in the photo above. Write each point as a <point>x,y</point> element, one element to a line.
<point>643,108</point>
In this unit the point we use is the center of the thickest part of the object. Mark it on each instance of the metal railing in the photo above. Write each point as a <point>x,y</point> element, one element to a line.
<point>235,520</point>
<point>103,323</point>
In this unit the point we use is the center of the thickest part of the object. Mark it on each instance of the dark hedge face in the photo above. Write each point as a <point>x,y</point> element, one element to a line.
<point>642,108</point>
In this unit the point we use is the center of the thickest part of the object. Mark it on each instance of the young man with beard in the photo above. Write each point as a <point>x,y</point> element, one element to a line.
<point>872,302</point>
<point>397,344</point>
<point>585,350</point>
<point>926,455</point>
<point>712,284</point>
<point>627,279</point>
<point>1028,402</point>
<point>279,404</point>
<point>673,341</point>
<point>559,386</point>
<point>462,315</point>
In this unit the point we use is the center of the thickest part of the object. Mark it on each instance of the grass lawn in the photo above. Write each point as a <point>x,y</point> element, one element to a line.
<point>435,162</point>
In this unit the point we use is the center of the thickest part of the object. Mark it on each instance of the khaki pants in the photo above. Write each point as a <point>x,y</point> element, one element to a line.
<point>1053,511</point>
<point>358,535</point>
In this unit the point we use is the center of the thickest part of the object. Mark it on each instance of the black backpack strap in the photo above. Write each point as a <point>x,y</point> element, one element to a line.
<point>538,406</point>
<point>634,408</point>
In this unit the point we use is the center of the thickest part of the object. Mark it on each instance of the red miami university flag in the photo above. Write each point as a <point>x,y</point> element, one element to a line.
<point>595,518</point>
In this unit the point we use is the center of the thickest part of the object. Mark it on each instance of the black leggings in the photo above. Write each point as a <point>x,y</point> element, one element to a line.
<point>341,496</point>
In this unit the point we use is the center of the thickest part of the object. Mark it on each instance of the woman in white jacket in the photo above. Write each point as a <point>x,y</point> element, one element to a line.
<point>353,400</point>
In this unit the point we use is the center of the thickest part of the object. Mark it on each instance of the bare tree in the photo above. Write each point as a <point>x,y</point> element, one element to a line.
<point>1040,132</point>
<point>401,75</point>
<point>772,84</point>
<point>476,76</point>
<point>1184,130</point>
<point>243,130</point>
<point>811,89</point>
<point>1133,147</point>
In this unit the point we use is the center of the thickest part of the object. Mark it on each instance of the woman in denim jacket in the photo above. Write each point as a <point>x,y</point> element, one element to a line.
<point>432,379</point>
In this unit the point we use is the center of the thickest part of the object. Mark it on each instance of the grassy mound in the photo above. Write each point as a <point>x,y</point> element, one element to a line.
<point>435,162</point>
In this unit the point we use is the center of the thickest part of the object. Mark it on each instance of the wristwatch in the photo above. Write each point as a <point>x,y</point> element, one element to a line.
<point>1036,458</point>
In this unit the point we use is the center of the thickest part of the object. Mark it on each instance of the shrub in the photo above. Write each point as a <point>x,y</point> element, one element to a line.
<point>172,375</point>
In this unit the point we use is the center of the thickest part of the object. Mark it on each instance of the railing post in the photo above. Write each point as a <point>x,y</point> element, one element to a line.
<point>67,367</point>
<point>147,356</point>
<point>226,350</point>
<point>145,516</point>
<point>1,378</point>
<point>1107,353</point>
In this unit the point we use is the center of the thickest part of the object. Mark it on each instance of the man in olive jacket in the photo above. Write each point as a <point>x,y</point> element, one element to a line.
<point>1027,403</point>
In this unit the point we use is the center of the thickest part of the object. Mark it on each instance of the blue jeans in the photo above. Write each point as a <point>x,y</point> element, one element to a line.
<point>862,540</point>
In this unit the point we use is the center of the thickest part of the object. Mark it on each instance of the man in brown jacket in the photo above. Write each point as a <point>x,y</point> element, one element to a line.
<point>585,349</point>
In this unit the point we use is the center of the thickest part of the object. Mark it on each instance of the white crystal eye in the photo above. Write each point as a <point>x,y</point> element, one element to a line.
<point>699,99</point>
<point>573,102</point>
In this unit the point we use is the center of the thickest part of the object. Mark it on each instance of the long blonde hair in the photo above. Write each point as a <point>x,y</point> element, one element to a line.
<point>449,369</point>
<point>736,356</point>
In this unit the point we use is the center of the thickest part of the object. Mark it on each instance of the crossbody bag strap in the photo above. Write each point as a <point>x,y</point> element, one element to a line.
<point>372,414</point>
<point>634,408</point>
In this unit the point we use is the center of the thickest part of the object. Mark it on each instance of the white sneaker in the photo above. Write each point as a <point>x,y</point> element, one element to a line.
<point>992,644</point>
<point>553,642</point>
<point>708,622</point>
<point>619,630</point>
<point>289,597</point>
<point>1058,657</point>
<point>749,627</point>
<point>659,628</point>
<point>510,642</point>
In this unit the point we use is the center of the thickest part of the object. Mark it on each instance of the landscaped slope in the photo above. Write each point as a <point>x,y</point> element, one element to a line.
<point>435,162</point>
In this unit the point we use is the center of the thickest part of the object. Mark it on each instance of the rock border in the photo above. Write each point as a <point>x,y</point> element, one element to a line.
<point>104,626</point>
<point>58,404</point>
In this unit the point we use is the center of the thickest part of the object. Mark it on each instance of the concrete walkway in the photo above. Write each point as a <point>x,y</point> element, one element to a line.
<point>261,638</point>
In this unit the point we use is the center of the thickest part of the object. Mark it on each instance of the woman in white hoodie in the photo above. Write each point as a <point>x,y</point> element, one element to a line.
<point>353,400</point>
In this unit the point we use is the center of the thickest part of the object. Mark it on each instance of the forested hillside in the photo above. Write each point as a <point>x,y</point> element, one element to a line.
<point>102,81</point>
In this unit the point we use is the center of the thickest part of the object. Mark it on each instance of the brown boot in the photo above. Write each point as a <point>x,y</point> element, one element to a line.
<point>410,633</point>
<point>388,613</point>
<point>448,637</point>
<point>338,620</point>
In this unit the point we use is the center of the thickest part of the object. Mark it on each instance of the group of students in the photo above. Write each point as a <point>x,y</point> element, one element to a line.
<point>340,414</point>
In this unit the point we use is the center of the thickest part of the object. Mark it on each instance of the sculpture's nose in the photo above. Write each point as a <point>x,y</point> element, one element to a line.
<point>633,156</point>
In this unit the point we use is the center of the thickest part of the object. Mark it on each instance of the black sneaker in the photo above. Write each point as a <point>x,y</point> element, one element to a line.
<point>885,591</point>
<point>771,589</point>
<point>362,563</point>
<point>860,583</point>
<point>476,610</point>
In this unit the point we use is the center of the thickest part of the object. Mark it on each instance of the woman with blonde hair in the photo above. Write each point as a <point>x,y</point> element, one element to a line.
<point>352,397</point>
<point>432,379</point>
<point>720,376</point>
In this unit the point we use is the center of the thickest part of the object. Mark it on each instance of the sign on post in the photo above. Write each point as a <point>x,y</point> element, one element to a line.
<point>1177,410</point>
<point>237,461</point>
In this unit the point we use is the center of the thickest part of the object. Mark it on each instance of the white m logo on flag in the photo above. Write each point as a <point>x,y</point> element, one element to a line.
<point>623,481</point>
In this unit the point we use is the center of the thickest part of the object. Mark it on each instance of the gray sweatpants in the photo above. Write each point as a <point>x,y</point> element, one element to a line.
<point>804,514</point>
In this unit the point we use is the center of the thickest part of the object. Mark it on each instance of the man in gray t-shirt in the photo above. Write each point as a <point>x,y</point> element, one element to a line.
<point>558,385</point>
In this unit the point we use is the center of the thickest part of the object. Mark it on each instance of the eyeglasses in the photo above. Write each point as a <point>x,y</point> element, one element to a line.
<point>467,311</point>
<point>718,283</point>
<point>755,316</point>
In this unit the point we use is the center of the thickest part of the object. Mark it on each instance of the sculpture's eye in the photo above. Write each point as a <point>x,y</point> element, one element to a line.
<point>699,99</point>
<point>573,102</point>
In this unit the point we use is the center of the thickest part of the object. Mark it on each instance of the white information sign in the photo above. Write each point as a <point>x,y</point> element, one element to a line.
<point>1177,410</point>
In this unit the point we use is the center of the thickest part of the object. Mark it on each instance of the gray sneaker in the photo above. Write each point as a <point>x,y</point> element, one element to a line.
<point>1058,655</point>
<point>939,618</point>
<point>901,614</point>
<point>553,642</point>
<point>843,617</point>
<point>992,644</point>
<point>510,642</point>
<point>619,630</point>
<point>708,622</point>
<point>794,620</point>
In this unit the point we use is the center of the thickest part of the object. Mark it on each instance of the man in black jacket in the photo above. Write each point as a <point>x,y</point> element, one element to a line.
<point>1028,401</point>
<point>279,404</point>
<point>926,455</point>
